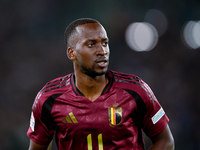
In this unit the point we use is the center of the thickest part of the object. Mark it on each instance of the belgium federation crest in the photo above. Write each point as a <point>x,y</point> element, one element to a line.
<point>115,115</point>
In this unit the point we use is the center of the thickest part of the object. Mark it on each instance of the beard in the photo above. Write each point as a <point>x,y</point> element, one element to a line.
<point>92,72</point>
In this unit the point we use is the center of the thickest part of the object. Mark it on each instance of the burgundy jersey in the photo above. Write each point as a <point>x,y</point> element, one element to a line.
<point>115,120</point>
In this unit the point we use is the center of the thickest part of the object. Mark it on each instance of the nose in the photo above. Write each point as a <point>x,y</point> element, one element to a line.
<point>102,50</point>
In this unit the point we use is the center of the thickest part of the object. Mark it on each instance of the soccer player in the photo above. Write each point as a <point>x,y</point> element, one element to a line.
<point>95,108</point>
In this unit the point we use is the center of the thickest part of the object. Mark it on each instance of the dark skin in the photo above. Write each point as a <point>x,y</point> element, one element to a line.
<point>90,56</point>
<point>89,52</point>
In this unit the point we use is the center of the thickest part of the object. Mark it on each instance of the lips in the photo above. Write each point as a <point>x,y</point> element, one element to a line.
<point>102,62</point>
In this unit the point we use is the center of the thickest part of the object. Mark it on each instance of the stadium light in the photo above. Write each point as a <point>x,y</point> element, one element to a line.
<point>141,36</point>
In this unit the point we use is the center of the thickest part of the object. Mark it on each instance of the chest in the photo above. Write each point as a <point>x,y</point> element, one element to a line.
<point>74,113</point>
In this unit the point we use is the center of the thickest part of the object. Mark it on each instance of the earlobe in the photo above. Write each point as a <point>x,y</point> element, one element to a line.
<point>71,53</point>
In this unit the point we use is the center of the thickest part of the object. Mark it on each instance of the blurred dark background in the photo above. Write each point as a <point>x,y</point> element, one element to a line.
<point>32,52</point>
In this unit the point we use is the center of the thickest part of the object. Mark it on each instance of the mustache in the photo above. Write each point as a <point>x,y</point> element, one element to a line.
<point>102,59</point>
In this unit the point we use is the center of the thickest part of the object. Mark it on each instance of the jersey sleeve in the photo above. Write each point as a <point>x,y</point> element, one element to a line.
<point>155,120</point>
<point>38,131</point>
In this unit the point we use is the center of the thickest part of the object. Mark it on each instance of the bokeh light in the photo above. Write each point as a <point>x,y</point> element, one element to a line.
<point>157,19</point>
<point>141,36</point>
<point>191,34</point>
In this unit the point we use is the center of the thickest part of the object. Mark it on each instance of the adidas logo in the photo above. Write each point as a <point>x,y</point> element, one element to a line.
<point>70,119</point>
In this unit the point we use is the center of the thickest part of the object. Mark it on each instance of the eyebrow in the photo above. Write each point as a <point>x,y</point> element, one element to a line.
<point>104,39</point>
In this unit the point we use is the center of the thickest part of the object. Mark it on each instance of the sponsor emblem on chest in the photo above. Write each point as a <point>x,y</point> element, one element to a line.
<point>115,115</point>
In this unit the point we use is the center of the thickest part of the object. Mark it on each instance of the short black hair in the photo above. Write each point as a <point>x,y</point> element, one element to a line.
<point>71,27</point>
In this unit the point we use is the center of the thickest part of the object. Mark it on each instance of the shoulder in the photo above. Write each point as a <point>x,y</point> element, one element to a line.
<point>130,82</point>
<point>56,85</point>
<point>52,89</point>
<point>125,80</point>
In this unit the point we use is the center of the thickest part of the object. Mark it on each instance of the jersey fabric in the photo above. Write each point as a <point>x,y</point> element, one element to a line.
<point>115,120</point>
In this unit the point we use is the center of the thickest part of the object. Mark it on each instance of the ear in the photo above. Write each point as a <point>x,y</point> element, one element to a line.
<point>71,53</point>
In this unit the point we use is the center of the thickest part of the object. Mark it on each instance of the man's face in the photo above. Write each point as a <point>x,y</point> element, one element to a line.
<point>91,49</point>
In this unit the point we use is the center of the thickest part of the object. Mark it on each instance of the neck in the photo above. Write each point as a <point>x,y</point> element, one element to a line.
<point>91,87</point>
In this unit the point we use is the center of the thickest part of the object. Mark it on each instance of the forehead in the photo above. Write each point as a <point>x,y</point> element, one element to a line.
<point>91,31</point>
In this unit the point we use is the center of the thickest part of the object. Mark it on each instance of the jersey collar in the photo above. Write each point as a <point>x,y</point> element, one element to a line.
<point>107,88</point>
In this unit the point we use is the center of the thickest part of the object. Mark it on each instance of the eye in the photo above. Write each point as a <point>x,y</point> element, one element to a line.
<point>90,44</point>
<point>105,43</point>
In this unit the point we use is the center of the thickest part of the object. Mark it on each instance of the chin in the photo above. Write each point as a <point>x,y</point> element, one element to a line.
<point>102,71</point>
<point>93,72</point>
<point>97,73</point>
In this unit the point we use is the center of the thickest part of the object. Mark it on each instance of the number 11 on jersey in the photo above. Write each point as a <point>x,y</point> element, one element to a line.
<point>89,142</point>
